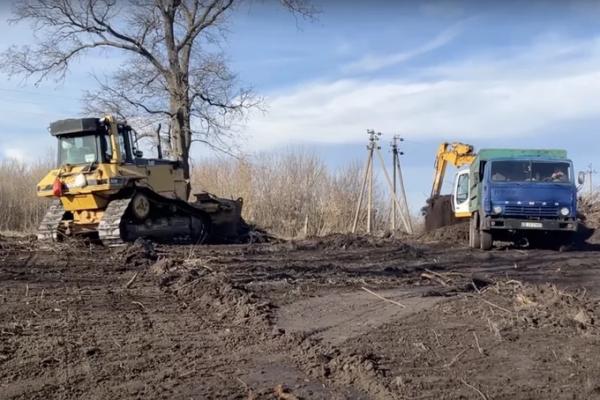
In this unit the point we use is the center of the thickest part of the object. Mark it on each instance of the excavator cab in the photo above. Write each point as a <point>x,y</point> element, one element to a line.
<point>462,194</point>
<point>102,187</point>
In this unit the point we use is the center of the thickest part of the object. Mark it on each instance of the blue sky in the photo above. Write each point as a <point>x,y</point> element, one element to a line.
<point>490,74</point>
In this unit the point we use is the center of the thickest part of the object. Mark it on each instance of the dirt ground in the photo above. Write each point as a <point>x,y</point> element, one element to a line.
<point>341,317</point>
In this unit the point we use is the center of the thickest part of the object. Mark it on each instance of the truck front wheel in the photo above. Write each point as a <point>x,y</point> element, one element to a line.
<point>487,241</point>
<point>474,236</point>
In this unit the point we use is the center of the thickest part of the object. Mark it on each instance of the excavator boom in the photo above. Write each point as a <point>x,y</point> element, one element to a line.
<point>455,154</point>
<point>438,211</point>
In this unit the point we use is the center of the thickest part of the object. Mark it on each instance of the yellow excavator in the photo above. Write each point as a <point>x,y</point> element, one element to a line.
<point>104,188</point>
<point>440,210</point>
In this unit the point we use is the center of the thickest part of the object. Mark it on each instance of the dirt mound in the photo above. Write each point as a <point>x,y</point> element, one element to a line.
<point>212,294</point>
<point>140,252</point>
<point>346,241</point>
<point>453,234</point>
<point>325,362</point>
<point>522,307</point>
<point>547,306</point>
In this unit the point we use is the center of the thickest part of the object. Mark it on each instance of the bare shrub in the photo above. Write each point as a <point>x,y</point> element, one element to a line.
<point>589,206</point>
<point>20,208</point>
<point>291,192</point>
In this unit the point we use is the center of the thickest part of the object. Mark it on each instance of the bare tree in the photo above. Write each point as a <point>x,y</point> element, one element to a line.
<point>174,71</point>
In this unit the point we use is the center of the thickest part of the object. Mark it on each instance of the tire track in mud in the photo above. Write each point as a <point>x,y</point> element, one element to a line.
<point>243,319</point>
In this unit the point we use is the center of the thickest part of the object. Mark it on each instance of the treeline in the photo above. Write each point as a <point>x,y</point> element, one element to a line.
<point>20,208</point>
<point>290,193</point>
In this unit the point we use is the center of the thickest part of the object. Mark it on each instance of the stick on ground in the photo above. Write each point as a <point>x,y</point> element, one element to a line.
<point>483,396</point>
<point>383,298</point>
<point>128,285</point>
<point>477,343</point>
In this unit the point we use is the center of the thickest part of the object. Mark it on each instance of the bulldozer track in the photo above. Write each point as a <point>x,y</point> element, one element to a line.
<point>109,228</point>
<point>48,229</point>
<point>113,228</point>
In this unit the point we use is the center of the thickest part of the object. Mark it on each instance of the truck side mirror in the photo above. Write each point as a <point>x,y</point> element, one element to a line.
<point>581,178</point>
<point>138,153</point>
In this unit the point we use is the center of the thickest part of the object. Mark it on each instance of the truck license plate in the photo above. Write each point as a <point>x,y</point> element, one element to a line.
<point>532,225</point>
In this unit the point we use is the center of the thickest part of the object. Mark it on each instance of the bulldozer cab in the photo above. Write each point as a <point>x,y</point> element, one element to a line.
<point>94,141</point>
<point>98,157</point>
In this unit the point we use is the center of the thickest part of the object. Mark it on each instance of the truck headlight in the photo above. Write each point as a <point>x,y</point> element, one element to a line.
<point>497,210</point>
<point>565,212</point>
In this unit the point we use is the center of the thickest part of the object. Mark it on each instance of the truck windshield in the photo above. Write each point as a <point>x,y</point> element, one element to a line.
<point>77,149</point>
<point>531,171</point>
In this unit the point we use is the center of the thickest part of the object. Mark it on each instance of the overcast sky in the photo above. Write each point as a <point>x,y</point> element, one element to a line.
<point>490,74</point>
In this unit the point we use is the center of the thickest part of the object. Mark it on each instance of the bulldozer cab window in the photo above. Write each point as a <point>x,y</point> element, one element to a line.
<point>106,148</point>
<point>78,149</point>
<point>125,146</point>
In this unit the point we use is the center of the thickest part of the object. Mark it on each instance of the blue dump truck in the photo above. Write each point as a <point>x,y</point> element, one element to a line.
<point>520,196</point>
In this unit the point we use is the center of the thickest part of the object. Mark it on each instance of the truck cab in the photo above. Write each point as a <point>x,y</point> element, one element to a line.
<point>518,196</point>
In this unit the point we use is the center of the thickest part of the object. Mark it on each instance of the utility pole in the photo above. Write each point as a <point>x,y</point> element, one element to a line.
<point>591,172</point>
<point>395,140</point>
<point>367,183</point>
<point>397,175</point>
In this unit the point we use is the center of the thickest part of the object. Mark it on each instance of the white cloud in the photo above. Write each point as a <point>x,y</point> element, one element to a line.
<point>14,154</point>
<point>512,95</point>
<point>375,62</point>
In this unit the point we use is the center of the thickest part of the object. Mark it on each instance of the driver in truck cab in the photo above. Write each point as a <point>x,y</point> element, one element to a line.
<point>559,175</point>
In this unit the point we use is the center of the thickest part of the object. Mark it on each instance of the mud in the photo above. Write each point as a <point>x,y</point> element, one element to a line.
<point>340,317</point>
<point>454,234</point>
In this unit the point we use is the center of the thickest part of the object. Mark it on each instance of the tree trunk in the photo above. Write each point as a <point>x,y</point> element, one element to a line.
<point>181,139</point>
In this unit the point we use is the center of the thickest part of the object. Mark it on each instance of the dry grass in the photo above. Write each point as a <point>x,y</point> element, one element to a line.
<point>589,206</point>
<point>20,208</point>
<point>287,191</point>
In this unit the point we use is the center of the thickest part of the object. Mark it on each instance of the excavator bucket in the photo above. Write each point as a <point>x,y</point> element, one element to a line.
<point>438,213</point>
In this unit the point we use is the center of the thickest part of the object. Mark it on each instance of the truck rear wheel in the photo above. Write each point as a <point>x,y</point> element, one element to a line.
<point>487,240</point>
<point>474,234</point>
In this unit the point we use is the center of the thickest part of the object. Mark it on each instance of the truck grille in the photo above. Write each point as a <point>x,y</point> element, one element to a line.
<point>531,211</point>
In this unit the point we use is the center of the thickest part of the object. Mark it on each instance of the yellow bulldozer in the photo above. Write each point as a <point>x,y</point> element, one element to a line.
<point>103,188</point>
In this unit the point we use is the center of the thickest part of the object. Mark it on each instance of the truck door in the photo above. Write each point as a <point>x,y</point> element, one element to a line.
<point>461,194</point>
